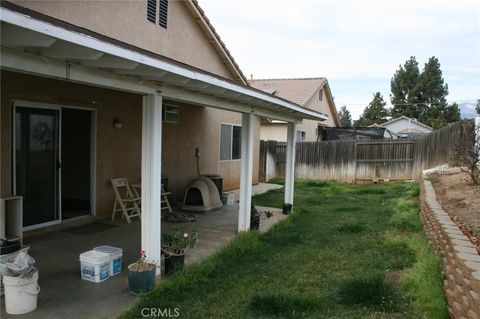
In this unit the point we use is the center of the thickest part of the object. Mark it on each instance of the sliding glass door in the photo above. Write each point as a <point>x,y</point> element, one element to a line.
<point>37,163</point>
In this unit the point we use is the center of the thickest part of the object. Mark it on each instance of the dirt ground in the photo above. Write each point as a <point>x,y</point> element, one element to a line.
<point>460,198</point>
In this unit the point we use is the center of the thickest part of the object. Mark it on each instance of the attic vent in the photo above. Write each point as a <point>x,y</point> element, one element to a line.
<point>152,10</point>
<point>163,13</point>
<point>270,90</point>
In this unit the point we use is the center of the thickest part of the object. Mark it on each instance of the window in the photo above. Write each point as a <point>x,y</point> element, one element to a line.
<point>300,136</point>
<point>162,12</point>
<point>320,94</point>
<point>230,142</point>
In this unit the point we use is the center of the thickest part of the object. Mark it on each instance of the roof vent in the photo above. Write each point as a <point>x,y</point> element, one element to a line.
<point>270,90</point>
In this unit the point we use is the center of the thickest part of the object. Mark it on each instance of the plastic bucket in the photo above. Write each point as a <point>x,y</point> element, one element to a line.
<point>255,224</point>
<point>116,254</point>
<point>94,266</point>
<point>21,294</point>
<point>287,208</point>
<point>173,263</point>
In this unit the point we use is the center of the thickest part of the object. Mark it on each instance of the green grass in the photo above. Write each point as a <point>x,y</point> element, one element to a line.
<point>329,259</point>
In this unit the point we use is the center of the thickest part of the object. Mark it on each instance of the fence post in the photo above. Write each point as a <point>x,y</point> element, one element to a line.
<point>477,133</point>
<point>355,163</point>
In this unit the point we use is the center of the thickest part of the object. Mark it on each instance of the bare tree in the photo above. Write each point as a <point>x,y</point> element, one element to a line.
<point>465,154</point>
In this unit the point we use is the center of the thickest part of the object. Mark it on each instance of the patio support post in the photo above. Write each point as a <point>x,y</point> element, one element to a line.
<point>246,168</point>
<point>151,177</point>
<point>290,164</point>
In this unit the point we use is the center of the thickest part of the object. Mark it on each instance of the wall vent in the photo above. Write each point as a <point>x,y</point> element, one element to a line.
<point>152,10</point>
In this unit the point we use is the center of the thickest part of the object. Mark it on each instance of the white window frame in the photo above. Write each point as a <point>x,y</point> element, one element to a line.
<point>303,134</point>
<point>231,145</point>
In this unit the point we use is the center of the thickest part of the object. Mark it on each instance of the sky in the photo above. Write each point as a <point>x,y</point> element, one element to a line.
<point>356,45</point>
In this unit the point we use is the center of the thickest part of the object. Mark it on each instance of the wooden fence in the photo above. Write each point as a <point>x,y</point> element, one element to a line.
<point>352,161</point>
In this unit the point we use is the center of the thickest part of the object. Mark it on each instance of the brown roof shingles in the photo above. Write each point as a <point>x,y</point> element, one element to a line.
<point>299,91</point>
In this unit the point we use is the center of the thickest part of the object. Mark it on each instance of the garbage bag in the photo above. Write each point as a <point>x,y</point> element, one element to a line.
<point>21,265</point>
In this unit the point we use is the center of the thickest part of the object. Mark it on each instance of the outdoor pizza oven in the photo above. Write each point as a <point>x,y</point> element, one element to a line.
<point>201,196</point>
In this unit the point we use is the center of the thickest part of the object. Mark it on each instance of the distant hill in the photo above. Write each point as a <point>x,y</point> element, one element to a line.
<point>467,109</point>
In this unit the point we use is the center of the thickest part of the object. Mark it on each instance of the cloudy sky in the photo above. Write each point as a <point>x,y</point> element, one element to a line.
<point>357,45</point>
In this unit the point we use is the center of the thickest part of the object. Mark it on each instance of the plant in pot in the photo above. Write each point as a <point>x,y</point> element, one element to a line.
<point>256,216</point>
<point>141,275</point>
<point>174,246</point>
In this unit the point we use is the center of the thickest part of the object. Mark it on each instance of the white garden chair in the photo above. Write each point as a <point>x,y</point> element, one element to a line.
<point>126,202</point>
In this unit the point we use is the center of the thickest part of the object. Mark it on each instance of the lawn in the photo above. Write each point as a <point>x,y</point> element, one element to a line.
<point>347,251</point>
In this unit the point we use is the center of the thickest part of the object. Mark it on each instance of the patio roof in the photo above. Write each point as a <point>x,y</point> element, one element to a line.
<point>39,44</point>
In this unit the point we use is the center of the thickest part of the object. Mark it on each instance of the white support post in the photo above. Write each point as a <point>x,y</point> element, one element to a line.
<point>246,168</point>
<point>151,177</point>
<point>290,164</point>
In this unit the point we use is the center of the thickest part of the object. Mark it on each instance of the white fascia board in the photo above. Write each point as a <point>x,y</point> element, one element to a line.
<point>28,63</point>
<point>42,27</point>
<point>196,98</point>
<point>23,62</point>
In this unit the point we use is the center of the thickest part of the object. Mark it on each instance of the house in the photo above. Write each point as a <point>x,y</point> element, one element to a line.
<point>405,127</point>
<point>311,93</point>
<point>140,89</point>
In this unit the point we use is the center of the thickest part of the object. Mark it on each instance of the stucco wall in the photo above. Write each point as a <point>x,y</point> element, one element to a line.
<point>323,106</point>
<point>126,20</point>
<point>278,131</point>
<point>119,150</point>
<point>200,127</point>
<point>273,132</point>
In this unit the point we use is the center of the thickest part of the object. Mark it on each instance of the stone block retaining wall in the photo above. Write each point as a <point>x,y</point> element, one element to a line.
<point>461,262</point>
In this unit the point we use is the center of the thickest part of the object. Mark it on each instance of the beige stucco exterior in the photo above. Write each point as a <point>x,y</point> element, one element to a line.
<point>278,131</point>
<point>126,20</point>
<point>118,151</point>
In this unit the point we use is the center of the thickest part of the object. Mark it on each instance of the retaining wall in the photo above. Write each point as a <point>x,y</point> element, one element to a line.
<point>461,261</point>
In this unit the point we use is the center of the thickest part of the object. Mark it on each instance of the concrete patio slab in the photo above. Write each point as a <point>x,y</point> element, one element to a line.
<point>65,295</point>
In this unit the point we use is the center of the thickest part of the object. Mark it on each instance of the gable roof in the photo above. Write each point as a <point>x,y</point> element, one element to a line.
<point>403,117</point>
<point>154,71</point>
<point>215,39</point>
<point>297,90</point>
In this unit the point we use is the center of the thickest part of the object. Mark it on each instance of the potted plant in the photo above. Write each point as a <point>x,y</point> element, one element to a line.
<point>174,246</point>
<point>256,216</point>
<point>141,275</point>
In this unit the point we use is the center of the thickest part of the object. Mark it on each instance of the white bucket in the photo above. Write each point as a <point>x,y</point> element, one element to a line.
<point>21,294</point>
<point>228,198</point>
<point>94,266</point>
<point>116,254</point>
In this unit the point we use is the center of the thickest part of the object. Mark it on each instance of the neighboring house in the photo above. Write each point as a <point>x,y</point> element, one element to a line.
<point>406,127</point>
<point>311,93</point>
<point>93,90</point>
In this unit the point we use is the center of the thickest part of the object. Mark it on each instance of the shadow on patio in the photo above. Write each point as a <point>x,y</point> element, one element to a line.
<point>64,294</point>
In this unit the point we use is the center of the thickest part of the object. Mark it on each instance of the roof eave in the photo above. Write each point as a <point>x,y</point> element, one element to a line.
<point>81,37</point>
